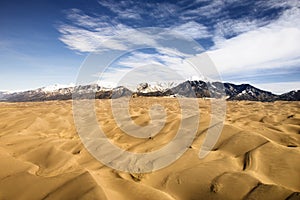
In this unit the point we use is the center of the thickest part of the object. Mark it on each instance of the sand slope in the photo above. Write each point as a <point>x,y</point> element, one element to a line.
<point>256,157</point>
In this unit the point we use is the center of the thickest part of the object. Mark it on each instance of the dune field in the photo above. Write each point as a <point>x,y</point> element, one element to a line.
<point>256,156</point>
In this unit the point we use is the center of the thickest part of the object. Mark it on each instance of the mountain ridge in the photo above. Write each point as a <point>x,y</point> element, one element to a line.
<point>190,88</point>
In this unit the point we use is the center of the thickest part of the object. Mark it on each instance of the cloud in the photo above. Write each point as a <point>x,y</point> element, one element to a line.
<point>90,34</point>
<point>230,18</point>
<point>210,8</point>
<point>86,33</point>
<point>136,10</point>
<point>234,27</point>
<point>77,17</point>
<point>82,39</point>
<point>123,9</point>
<point>192,29</point>
<point>282,3</point>
<point>271,46</point>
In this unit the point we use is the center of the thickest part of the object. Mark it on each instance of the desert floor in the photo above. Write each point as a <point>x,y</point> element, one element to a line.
<point>256,157</point>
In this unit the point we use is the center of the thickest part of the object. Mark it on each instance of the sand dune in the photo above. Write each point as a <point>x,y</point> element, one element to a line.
<point>256,157</point>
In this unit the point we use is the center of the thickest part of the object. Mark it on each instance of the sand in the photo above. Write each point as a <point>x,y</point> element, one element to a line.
<point>256,157</point>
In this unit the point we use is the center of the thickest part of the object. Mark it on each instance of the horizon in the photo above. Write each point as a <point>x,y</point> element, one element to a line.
<point>55,87</point>
<point>249,42</point>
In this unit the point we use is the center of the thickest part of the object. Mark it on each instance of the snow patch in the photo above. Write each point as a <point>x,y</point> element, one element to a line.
<point>55,87</point>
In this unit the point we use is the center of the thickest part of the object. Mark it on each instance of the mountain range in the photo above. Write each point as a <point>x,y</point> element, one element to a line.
<point>196,88</point>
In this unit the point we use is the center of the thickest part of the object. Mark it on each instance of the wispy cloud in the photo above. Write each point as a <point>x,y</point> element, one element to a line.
<point>192,29</point>
<point>90,34</point>
<point>207,9</point>
<point>123,9</point>
<point>140,10</point>
<point>233,27</point>
<point>198,19</point>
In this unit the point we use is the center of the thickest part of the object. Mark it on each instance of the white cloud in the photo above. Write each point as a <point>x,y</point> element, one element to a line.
<point>79,18</point>
<point>83,40</point>
<point>192,29</point>
<point>282,3</point>
<point>124,9</point>
<point>131,9</point>
<point>91,34</point>
<point>236,26</point>
<point>268,47</point>
<point>212,8</point>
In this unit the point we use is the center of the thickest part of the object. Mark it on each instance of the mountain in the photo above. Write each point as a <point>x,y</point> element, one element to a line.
<point>160,86</point>
<point>196,88</point>
<point>290,96</point>
<point>201,89</point>
<point>247,92</point>
<point>3,94</point>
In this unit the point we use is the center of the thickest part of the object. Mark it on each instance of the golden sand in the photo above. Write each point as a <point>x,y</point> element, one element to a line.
<point>256,157</point>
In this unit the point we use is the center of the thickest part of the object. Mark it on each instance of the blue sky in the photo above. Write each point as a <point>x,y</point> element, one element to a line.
<point>44,42</point>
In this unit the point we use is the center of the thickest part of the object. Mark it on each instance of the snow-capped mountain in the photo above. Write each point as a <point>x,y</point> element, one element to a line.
<point>195,88</point>
<point>154,87</point>
<point>3,94</point>
<point>291,96</point>
<point>56,87</point>
<point>248,92</point>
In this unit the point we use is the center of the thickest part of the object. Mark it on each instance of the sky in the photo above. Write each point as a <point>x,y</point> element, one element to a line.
<point>44,42</point>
